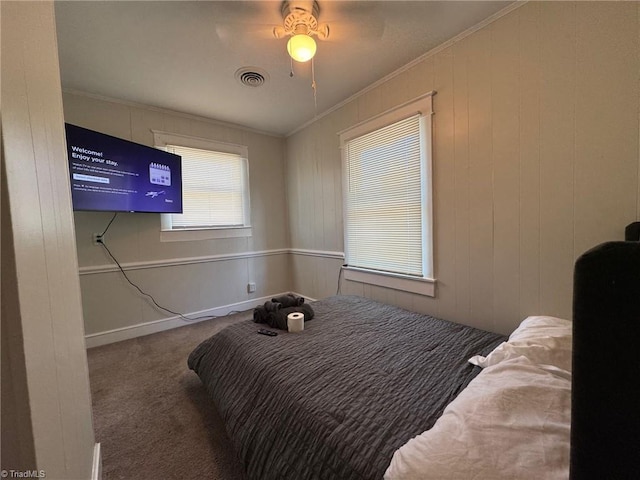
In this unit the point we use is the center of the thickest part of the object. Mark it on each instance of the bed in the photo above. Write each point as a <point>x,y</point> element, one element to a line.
<point>371,391</point>
<point>336,400</point>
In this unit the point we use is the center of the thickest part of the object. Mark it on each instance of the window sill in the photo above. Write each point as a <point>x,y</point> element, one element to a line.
<point>190,235</point>
<point>420,286</point>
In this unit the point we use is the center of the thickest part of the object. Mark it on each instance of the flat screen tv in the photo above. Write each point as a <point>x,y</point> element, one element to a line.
<point>116,175</point>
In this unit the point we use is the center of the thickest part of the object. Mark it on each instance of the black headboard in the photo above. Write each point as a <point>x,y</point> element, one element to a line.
<point>605,417</point>
<point>632,232</point>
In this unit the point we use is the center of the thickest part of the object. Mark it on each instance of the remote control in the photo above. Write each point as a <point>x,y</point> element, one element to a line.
<point>264,331</point>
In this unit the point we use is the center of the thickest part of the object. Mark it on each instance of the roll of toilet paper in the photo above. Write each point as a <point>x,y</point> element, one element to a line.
<point>295,322</point>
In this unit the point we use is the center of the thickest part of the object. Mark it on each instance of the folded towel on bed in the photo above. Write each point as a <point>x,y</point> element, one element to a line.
<point>261,313</point>
<point>271,306</point>
<point>288,300</point>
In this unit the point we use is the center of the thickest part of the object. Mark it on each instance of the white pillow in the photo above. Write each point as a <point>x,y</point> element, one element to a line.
<point>512,421</point>
<point>543,340</point>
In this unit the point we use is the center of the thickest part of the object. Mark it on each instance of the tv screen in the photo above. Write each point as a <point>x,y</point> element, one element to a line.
<point>116,175</point>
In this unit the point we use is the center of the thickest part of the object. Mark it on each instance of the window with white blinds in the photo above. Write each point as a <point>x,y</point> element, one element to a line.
<point>215,187</point>
<point>212,189</point>
<point>387,196</point>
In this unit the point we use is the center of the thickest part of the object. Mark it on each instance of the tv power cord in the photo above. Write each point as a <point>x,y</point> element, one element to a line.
<point>99,239</point>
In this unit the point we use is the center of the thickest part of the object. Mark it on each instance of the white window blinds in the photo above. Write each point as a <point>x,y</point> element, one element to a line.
<point>384,199</point>
<point>213,187</point>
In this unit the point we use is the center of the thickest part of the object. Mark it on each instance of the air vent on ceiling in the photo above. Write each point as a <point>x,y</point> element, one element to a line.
<point>252,76</point>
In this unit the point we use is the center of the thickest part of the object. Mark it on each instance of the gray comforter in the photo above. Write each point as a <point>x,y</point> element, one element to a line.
<point>336,400</point>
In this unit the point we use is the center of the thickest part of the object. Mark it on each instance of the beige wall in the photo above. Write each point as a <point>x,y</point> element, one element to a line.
<point>46,403</point>
<point>184,276</point>
<point>535,161</point>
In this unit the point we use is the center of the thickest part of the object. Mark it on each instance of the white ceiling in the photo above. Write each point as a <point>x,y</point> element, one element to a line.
<point>183,55</point>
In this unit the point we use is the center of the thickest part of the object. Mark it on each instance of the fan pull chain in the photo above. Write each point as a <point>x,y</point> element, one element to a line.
<point>314,86</point>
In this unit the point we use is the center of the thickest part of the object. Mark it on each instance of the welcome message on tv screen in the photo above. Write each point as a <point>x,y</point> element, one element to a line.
<point>108,173</point>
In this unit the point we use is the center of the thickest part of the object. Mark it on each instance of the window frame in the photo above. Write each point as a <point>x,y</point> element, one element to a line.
<point>169,234</point>
<point>425,285</point>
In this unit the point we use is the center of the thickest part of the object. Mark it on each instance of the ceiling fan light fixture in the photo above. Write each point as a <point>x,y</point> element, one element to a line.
<point>301,47</point>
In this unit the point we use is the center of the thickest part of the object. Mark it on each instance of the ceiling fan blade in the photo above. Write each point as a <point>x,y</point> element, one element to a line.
<point>240,20</point>
<point>228,32</point>
<point>247,12</point>
<point>371,28</point>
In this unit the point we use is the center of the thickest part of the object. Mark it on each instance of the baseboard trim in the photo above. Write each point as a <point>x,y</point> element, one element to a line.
<point>155,326</point>
<point>96,467</point>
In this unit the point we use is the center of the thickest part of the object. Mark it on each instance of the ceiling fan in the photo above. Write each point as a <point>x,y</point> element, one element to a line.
<point>353,21</point>
<point>300,22</point>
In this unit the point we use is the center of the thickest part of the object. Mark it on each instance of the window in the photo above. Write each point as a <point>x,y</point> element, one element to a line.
<point>387,199</point>
<point>215,189</point>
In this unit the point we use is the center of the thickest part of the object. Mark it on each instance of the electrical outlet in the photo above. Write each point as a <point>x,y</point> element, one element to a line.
<point>96,239</point>
<point>251,287</point>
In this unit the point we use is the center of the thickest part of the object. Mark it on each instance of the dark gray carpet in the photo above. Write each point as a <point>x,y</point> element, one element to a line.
<point>151,414</point>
